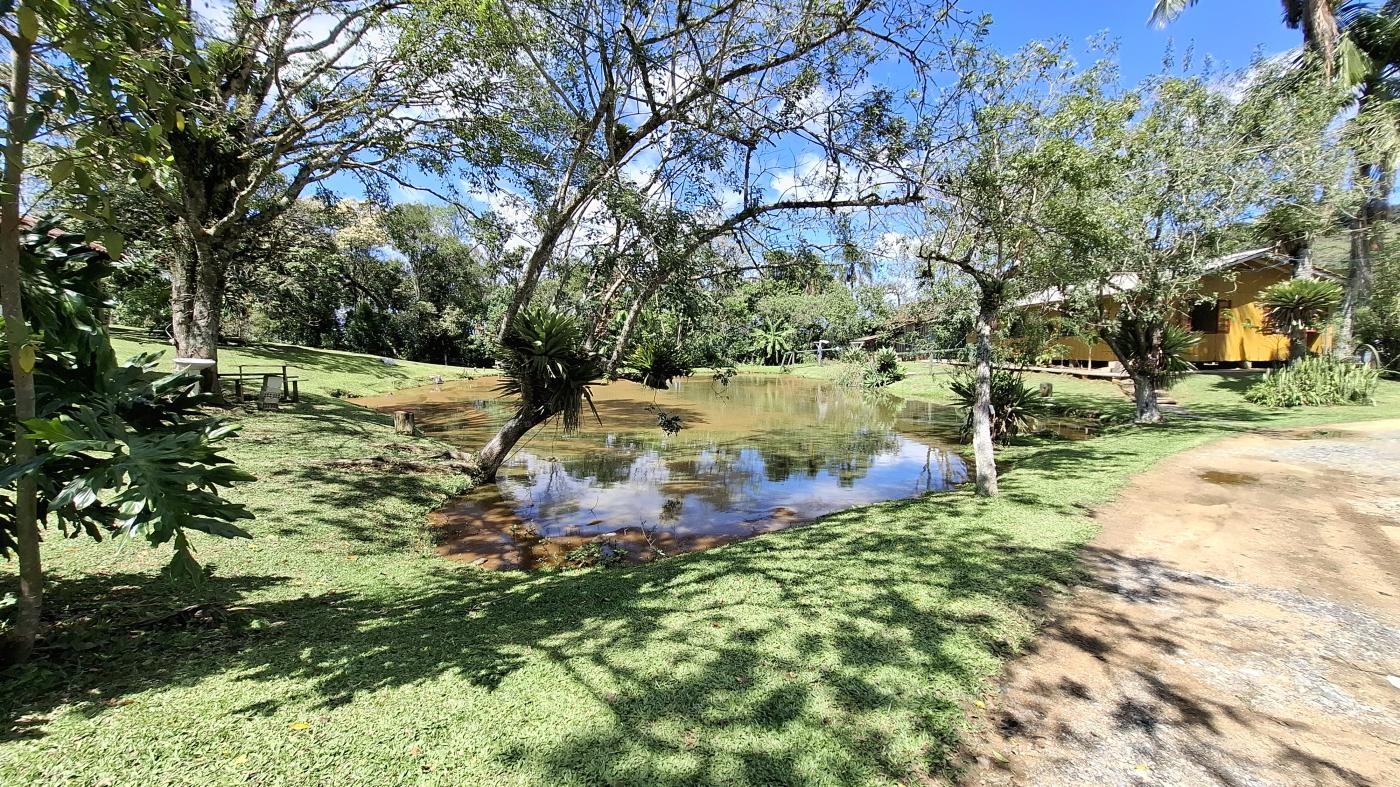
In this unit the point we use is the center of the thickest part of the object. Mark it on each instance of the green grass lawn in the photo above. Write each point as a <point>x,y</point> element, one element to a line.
<point>319,371</point>
<point>337,649</point>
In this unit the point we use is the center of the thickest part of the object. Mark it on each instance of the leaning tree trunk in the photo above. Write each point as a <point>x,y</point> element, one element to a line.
<point>197,301</point>
<point>490,458</point>
<point>31,572</point>
<point>983,451</point>
<point>629,324</point>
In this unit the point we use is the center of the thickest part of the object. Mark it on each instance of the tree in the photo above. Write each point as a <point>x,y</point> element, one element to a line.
<point>1297,306</point>
<point>643,135</point>
<point>772,340</point>
<point>1191,166</point>
<point>545,366</point>
<point>650,111</point>
<point>286,95</point>
<point>100,49</point>
<point>1017,182</point>
<point>1374,133</point>
<point>1316,18</point>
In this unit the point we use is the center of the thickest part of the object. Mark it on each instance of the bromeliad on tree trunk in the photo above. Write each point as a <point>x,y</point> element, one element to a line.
<point>545,366</point>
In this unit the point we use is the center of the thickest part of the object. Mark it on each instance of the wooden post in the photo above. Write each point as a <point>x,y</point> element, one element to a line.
<point>403,422</point>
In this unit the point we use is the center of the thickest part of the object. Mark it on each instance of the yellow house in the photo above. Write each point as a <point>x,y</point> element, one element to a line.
<point>1228,316</point>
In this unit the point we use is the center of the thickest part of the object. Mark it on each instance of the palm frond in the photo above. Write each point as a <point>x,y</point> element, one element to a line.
<point>1164,12</point>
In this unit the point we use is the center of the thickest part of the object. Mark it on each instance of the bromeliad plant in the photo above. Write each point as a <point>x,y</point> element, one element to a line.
<point>1297,306</point>
<point>1016,406</point>
<point>545,367</point>
<point>656,364</point>
<point>119,448</point>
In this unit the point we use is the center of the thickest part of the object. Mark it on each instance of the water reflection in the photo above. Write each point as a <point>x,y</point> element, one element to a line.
<point>760,454</point>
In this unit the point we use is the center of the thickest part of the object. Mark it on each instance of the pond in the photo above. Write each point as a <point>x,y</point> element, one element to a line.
<point>759,454</point>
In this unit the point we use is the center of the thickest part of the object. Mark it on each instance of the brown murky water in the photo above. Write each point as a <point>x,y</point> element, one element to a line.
<point>760,454</point>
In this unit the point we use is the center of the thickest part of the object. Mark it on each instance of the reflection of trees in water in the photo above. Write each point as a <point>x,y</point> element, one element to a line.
<point>767,440</point>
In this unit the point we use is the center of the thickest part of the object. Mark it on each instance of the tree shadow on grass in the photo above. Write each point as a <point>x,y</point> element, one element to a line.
<point>843,650</point>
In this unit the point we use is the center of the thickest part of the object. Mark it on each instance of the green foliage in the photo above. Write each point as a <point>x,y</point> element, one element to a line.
<point>1314,382</point>
<point>655,364</point>
<point>119,448</point>
<point>543,362</point>
<point>367,330</point>
<point>881,369</point>
<point>771,340</point>
<point>1151,351</point>
<point>1016,406</point>
<point>1299,304</point>
<point>143,293</point>
<point>1378,321</point>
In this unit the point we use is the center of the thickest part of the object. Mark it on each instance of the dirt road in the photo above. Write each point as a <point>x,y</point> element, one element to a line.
<point>1241,627</point>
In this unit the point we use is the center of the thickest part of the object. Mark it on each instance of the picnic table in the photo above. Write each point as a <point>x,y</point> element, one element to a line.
<point>273,384</point>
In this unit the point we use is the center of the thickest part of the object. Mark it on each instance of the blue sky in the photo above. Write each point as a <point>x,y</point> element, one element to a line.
<point>1230,31</point>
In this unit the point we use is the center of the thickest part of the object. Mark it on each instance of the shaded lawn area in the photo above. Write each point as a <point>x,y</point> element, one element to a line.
<point>320,371</point>
<point>337,649</point>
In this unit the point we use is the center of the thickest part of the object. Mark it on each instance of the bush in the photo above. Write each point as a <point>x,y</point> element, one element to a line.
<point>1312,382</point>
<point>881,369</point>
<point>1016,406</point>
<point>120,449</point>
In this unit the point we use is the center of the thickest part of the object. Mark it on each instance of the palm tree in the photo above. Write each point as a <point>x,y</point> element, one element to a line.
<point>772,339</point>
<point>544,365</point>
<point>1373,35</point>
<point>1297,305</point>
<point>1316,18</point>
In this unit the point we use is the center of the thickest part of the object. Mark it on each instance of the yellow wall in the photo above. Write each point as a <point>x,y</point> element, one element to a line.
<point>1242,336</point>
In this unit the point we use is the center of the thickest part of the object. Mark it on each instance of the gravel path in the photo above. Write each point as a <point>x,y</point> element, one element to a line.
<point>1242,627</point>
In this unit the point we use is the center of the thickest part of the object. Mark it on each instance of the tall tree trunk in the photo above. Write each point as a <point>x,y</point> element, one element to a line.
<point>490,458</point>
<point>1358,284</point>
<point>1145,398</point>
<point>624,336</point>
<point>197,302</point>
<point>1321,33</point>
<point>1302,253</point>
<point>31,572</point>
<point>982,448</point>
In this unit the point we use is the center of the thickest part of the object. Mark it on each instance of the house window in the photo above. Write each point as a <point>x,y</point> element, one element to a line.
<point>1211,317</point>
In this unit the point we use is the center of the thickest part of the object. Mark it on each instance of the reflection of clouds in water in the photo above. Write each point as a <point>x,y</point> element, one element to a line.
<point>759,454</point>
<point>721,492</point>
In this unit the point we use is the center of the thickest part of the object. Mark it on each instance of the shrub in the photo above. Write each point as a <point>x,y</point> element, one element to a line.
<point>120,449</point>
<point>881,369</point>
<point>1321,380</point>
<point>1016,406</point>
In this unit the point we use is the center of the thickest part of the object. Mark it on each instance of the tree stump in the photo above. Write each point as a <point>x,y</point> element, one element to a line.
<point>403,422</point>
<point>1046,389</point>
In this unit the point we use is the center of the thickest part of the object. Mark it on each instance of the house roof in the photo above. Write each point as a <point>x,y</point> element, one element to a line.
<point>1123,282</point>
<point>27,223</point>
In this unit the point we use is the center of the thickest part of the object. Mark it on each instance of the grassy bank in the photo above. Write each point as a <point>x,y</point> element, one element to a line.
<point>337,649</point>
